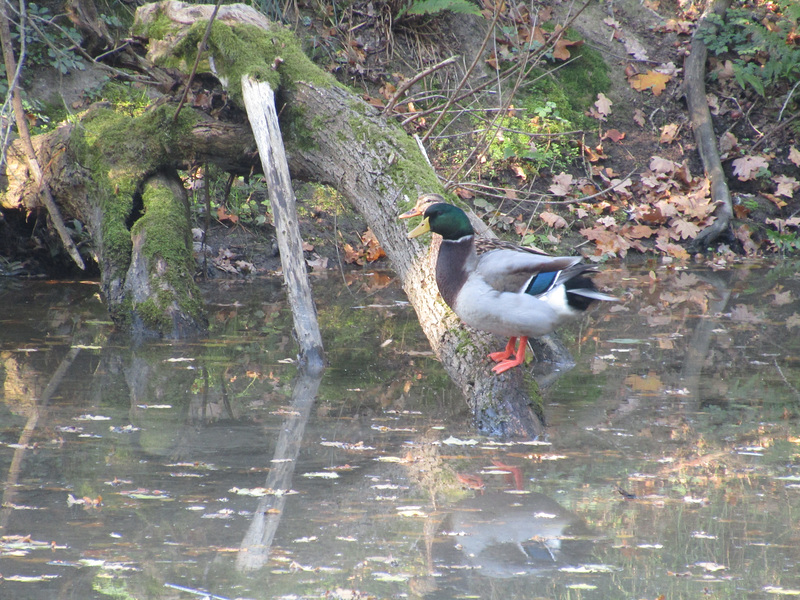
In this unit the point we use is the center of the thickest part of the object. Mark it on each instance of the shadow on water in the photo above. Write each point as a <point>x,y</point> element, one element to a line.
<point>671,462</point>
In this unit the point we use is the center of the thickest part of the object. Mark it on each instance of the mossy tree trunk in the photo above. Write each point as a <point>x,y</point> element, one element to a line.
<point>117,175</point>
<point>331,136</point>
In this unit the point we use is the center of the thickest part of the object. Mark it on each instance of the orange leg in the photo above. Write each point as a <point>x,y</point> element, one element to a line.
<point>511,347</point>
<point>508,364</point>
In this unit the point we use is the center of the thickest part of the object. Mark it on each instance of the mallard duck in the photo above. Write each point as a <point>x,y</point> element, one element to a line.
<point>509,291</point>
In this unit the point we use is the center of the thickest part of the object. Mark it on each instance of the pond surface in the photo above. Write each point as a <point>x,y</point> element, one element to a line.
<point>670,466</point>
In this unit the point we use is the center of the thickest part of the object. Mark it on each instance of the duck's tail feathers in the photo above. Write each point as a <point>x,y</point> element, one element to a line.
<point>593,294</point>
<point>581,292</point>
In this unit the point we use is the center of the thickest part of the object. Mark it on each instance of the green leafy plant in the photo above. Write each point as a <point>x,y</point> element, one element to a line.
<point>48,42</point>
<point>764,54</point>
<point>432,7</point>
<point>784,241</point>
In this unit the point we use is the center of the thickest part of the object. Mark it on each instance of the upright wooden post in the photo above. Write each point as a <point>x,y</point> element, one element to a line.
<point>259,101</point>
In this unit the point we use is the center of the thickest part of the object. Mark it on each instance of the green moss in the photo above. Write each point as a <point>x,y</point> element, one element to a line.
<point>296,129</point>
<point>582,79</point>
<point>164,215</point>
<point>120,150</point>
<point>274,56</point>
<point>535,394</point>
<point>407,167</point>
<point>158,29</point>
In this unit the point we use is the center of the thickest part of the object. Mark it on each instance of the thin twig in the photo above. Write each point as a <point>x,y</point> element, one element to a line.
<point>484,190</point>
<point>777,129</point>
<point>408,83</point>
<point>27,143</point>
<point>478,58</point>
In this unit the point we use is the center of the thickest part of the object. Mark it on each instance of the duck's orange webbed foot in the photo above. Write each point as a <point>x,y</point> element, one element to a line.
<point>507,353</point>
<point>505,365</point>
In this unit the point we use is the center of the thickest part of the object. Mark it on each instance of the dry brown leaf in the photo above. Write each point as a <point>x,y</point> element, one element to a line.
<point>782,224</point>
<point>685,229</point>
<point>603,105</point>
<point>787,186</point>
<point>372,247</point>
<point>781,298</point>
<point>593,154</point>
<point>743,314</point>
<point>793,321</point>
<point>388,90</point>
<point>652,80</point>
<point>224,215</point>
<point>727,143</point>
<point>373,101</point>
<point>747,167</point>
<point>745,236</point>
<point>561,48</point>
<point>318,262</point>
<point>614,135</point>
<point>607,242</point>
<point>561,184</point>
<point>673,250</point>
<point>518,171</point>
<point>669,132</point>
<point>638,117</point>
<point>662,165</point>
<point>553,220</point>
<point>794,156</point>
<point>774,199</point>
<point>680,27</point>
<point>637,231</point>
<point>635,48</point>
<point>713,104</point>
<point>351,255</point>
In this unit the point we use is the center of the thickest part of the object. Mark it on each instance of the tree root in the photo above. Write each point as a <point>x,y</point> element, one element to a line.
<point>694,88</point>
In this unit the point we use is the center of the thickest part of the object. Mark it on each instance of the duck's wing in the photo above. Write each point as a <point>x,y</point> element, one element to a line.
<point>484,245</point>
<point>514,271</point>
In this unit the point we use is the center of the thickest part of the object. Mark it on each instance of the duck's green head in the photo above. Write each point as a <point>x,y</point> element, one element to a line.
<point>447,220</point>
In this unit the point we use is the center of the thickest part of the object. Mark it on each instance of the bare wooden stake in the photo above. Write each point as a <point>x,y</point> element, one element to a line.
<point>259,101</point>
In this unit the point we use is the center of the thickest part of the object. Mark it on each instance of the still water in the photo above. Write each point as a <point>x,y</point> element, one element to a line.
<point>670,466</point>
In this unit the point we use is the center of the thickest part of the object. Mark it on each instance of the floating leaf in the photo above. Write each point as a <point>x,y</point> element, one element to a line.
<point>590,569</point>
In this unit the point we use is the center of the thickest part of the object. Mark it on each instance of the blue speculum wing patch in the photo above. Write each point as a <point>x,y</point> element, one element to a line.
<point>541,283</point>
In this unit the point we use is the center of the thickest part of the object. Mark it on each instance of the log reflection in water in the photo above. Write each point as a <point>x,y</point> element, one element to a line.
<point>255,547</point>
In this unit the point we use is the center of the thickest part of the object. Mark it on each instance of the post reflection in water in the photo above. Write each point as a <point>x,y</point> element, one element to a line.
<point>670,465</point>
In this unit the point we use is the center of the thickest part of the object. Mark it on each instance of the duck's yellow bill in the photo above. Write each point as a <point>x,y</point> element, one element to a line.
<point>423,227</point>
